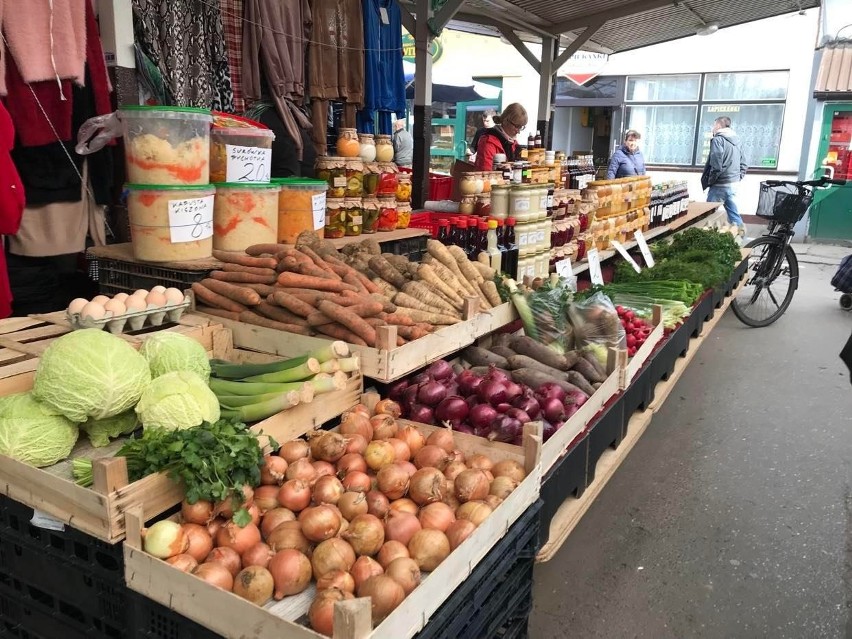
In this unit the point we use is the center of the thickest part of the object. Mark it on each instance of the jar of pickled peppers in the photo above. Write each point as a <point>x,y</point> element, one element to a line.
<point>387,179</point>
<point>388,215</point>
<point>354,216</point>
<point>354,178</point>
<point>370,211</point>
<point>335,218</point>
<point>403,187</point>
<point>403,215</point>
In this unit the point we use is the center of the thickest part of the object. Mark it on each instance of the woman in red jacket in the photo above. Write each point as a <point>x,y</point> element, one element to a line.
<point>501,137</point>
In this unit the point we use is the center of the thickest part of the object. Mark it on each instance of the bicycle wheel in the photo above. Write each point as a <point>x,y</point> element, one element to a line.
<point>773,277</point>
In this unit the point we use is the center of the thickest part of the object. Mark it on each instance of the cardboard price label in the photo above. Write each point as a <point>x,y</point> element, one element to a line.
<point>191,220</point>
<point>643,247</point>
<point>563,268</point>
<point>248,164</point>
<point>318,206</point>
<point>595,273</point>
<point>623,252</point>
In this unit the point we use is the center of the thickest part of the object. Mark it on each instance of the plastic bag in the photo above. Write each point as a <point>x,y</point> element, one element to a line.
<point>596,325</point>
<point>95,133</point>
<point>544,314</point>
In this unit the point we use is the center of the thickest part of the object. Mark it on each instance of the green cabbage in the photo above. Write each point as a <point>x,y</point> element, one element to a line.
<point>32,433</point>
<point>177,400</point>
<point>90,373</point>
<point>167,352</point>
<point>100,431</point>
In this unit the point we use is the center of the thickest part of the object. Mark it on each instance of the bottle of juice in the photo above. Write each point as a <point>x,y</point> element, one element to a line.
<point>494,255</point>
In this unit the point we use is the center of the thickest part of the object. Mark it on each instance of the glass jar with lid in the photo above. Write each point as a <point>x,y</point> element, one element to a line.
<point>354,178</point>
<point>332,170</point>
<point>403,213</point>
<point>388,215</point>
<point>520,203</point>
<point>354,216</point>
<point>368,147</point>
<point>403,187</point>
<point>370,213</point>
<point>387,179</point>
<point>371,178</point>
<point>384,148</point>
<point>335,218</point>
<point>500,202</point>
<point>467,204</point>
<point>467,184</point>
<point>348,145</point>
<point>482,206</point>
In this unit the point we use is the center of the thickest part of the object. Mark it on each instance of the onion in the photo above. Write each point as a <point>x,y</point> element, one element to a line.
<point>576,398</point>
<point>437,516</point>
<point>384,426</point>
<point>529,404</point>
<point>321,612</point>
<point>429,548</point>
<point>440,370</point>
<point>393,481</point>
<point>551,389</point>
<point>520,415</point>
<point>454,468</point>
<point>468,382</point>
<point>427,485</point>
<point>364,568</point>
<point>327,490</point>
<point>431,456</point>
<point>257,555</point>
<point>254,513</point>
<point>357,481</point>
<point>183,562</point>
<point>385,595</point>
<point>291,572</point>
<point>442,438</point>
<point>474,511</point>
<point>266,497</point>
<point>200,541</point>
<point>273,471</point>
<point>458,531</point>
<point>431,393</point>
<point>407,466</point>
<point>397,389</point>
<point>227,505</point>
<point>319,523</point>
<point>324,469</point>
<point>355,444</point>
<point>405,572</point>
<point>350,462</point>
<point>332,554</point>
<point>357,424</point>
<point>482,416</point>
<point>165,539</point>
<point>273,518</point>
<point>288,536</point>
<point>388,407</point>
<point>457,455</point>
<point>295,494</point>
<point>503,408</point>
<point>366,534</point>
<point>228,557</point>
<point>337,579</point>
<point>471,485</point>
<point>201,512</point>
<point>379,454</point>
<point>507,429</point>
<point>502,486</point>
<point>352,504</point>
<point>301,469</point>
<point>255,584</point>
<point>215,574</point>
<point>509,468</point>
<point>570,409</point>
<point>453,410</point>
<point>413,438</point>
<point>548,428</point>
<point>480,462</point>
<point>294,450</point>
<point>496,375</point>
<point>405,505</point>
<point>326,446</point>
<point>422,414</point>
<point>240,538</point>
<point>513,391</point>
<point>493,501</point>
<point>409,396</point>
<point>358,409</point>
<point>214,526</point>
<point>401,449</point>
<point>377,504</point>
<point>492,392</point>
<point>391,550</point>
<point>401,526</point>
<point>450,498</point>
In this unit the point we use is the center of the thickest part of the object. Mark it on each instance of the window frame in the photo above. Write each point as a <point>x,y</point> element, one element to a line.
<point>696,121</point>
<point>700,91</point>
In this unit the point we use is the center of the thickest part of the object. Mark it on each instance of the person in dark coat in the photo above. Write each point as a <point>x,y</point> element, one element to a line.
<point>627,159</point>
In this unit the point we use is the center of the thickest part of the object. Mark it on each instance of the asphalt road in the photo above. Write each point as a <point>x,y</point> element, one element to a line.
<point>732,516</point>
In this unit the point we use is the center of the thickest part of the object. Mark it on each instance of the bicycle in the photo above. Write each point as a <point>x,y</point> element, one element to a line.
<point>773,269</point>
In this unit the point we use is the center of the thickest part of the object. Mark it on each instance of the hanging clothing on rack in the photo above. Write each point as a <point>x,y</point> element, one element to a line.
<point>11,203</point>
<point>232,26</point>
<point>384,78</point>
<point>186,40</point>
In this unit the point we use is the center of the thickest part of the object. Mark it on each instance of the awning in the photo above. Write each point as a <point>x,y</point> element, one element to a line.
<point>834,78</point>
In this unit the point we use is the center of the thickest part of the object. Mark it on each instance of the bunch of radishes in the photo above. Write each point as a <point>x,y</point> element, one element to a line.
<point>635,327</point>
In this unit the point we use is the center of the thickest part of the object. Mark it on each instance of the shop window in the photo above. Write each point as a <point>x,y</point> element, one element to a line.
<point>668,132</point>
<point>766,85</point>
<point>663,88</point>
<point>757,125</point>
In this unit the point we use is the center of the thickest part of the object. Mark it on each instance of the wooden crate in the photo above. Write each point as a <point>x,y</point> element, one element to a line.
<point>638,360</point>
<point>384,363</point>
<point>236,617</point>
<point>99,510</point>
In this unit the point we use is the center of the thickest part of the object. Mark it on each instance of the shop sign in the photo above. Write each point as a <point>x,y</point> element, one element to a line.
<point>435,48</point>
<point>583,66</point>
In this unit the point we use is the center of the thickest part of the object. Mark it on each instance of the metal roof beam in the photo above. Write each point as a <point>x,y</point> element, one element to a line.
<point>579,41</point>
<point>505,19</point>
<point>520,47</point>
<point>444,15</point>
<point>640,6</point>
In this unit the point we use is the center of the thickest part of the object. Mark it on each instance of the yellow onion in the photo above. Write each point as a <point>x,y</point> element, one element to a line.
<point>319,523</point>
<point>385,595</point>
<point>405,572</point>
<point>288,535</point>
<point>215,574</point>
<point>509,468</point>
<point>332,554</point>
<point>328,446</point>
<point>458,531</point>
<point>328,490</point>
<point>352,504</point>
<point>337,579</point>
<point>321,612</point>
<point>365,534</point>
<point>291,572</point>
<point>255,584</point>
<point>391,550</point>
<point>475,511</point>
<point>379,454</point>
<point>429,548</point>
<point>294,450</point>
<point>471,485</point>
<point>364,568</point>
<point>437,516</point>
<point>427,486</point>
<point>392,481</point>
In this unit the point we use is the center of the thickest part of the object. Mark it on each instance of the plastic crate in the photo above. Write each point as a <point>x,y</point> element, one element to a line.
<point>413,248</point>
<point>566,478</point>
<point>116,276</point>
<point>606,431</point>
<point>20,619</point>
<point>428,220</point>
<point>150,620</point>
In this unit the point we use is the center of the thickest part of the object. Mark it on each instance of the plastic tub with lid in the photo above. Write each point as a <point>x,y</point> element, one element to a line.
<point>245,214</point>
<point>166,145</point>
<point>301,207</point>
<point>170,223</point>
<point>240,154</point>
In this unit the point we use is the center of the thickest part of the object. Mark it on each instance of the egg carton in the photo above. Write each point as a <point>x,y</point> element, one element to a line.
<point>152,316</point>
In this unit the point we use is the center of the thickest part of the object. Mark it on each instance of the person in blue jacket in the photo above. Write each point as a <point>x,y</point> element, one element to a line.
<point>627,159</point>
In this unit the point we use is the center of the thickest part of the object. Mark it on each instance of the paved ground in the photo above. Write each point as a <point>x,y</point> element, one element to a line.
<point>732,516</point>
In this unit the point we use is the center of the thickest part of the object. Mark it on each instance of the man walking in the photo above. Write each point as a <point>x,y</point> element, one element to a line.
<point>725,167</point>
<point>403,145</point>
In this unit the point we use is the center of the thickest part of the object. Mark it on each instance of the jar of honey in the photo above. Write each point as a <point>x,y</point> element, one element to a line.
<point>384,148</point>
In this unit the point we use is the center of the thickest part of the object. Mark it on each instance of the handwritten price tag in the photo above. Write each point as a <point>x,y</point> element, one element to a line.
<point>643,247</point>
<point>563,268</point>
<point>191,220</point>
<point>595,267</point>
<point>623,251</point>
<point>318,206</point>
<point>248,164</point>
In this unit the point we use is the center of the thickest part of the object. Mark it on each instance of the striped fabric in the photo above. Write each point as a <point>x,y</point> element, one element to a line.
<point>232,23</point>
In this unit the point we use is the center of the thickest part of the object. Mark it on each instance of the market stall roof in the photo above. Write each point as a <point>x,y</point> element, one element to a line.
<point>834,79</point>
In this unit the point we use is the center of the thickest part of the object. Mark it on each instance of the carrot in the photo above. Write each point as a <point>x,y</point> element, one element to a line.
<point>292,304</point>
<point>339,265</point>
<point>386,271</point>
<point>443,255</point>
<point>387,305</point>
<point>279,314</point>
<point>256,250</point>
<point>264,290</point>
<point>375,322</point>
<point>397,318</point>
<point>238,268</point>
<point>218,312</point>
<point>216,299</point>
<point>350,320</point>
<point>363,310</point>
<point>243,278</point>
<point>420,291</point>
<point>237,257</point>
<point>250,317</point>
<point>317,260</point>
<point>311,269</point>
<point>430,318</point>
<point>317,283</point>
<point>411,332</point>
<point>339,332</point>
<point>234,292</point>
<point>427,274</point>
<point>287,263</point>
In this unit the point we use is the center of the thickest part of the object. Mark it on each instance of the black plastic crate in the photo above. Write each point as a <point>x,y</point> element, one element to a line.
<point>566,478</point>
<point>20,619</point>
<point>637,395</point>
<point>413,248</point>
<point>605,432</point>
<point>701,312</point>
<point>151,620</point>
<point>116,276</point>
<point>664,359</point>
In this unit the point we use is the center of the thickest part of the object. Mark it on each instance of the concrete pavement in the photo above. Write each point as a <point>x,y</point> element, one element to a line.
<point>732,516</point>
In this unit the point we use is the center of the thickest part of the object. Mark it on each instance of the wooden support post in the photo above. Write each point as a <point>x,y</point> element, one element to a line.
<point>386,337</point>
<point>532,442</point>
<point>545,88</point>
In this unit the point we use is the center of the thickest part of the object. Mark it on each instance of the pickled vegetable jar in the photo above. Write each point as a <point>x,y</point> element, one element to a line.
<point>335,218</point>
<point>387,179</point>
<point>384,148</point>
<point>348,145</point>
<point>301,207</point>
<point>240,154</point>
<point>354,216</point>
<point>371,178</point>
<point>370,212</point>
<point>245,214</point>
<point>368,147</point>
<point>403,212</point>
<point>354,178</point>
<point>333,171</point>
<point>403,187</point>
<point>388,215</point>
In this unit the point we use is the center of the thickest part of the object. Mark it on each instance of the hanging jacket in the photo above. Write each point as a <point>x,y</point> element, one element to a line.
<point>384,78</point>
<point>11,203</point>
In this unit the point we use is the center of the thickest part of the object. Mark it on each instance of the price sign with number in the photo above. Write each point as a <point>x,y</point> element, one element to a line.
<point>191,220</point>
<point>248,164</point>
<point>623,252</point>
<point>643,247</point>
<point>563,268</point>
<point>595,273</point>
<point>318,206</point>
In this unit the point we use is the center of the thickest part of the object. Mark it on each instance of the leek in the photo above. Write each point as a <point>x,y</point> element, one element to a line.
<point>298,373</point>
<point>263,409</point>
<point>325,353</point>
<point>225,387</point>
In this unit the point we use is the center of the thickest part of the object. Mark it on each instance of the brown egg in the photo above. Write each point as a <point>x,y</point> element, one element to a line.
<point>155,298</point>
<point>174,296</point>
<point>116,307</point>
<point>93,310</point>
<point>135,303</point>
<point>76,305</point>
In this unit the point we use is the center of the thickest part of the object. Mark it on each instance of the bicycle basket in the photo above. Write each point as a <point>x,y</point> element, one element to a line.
<point>782,203</point>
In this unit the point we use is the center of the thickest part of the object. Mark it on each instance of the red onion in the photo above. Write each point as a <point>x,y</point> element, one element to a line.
<point>451,386</point>
<point>551,390</point>
<point>420,378</point>
<point>513,391</point>
<point>496,375</point>
<point>420,413</point>
<point>507,429</point>
<point>472,401</point>
<point>481,416</point>
<point>577,397</point>
<point>552,409</point>
<point>440,370</point>
<point>529,404</point>
<point>468,381</point>
<point>431,393</point>
<point>464,428</point>
<point>397,389</point>
<point>518,414</point>
<point>503,407</point>
<point>409,396</point>
<point>453,410</point>
<point>483,432</point>
<point>491,391</point>
<point>570,409</point>
<point>550,429</point>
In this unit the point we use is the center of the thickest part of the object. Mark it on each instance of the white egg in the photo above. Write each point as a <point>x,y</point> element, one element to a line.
<point>134,304</point>
<point>174,296</point>
<point>77,305</point>
<point>100,299</point>
<point>116,307</point>
<point>93,310</point>
<point>143,293</point>
<point>120,297</point>
<point>158,289</point>
<point>155,298</point>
